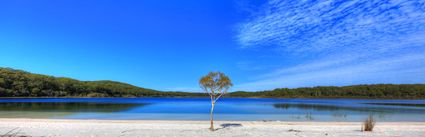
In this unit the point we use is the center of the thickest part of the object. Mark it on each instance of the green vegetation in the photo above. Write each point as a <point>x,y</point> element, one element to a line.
<point>17,83</point>
<point>379,91</point>
<point>368,124</point>
<point>216,85</point>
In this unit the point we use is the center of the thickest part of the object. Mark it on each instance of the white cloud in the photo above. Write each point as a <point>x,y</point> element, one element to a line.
<point>316,26</point>
<point>358,41</point>
<point>408,68</point>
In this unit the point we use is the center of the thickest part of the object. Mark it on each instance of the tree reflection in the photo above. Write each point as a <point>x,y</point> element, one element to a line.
<point>359,108</point>
<point>67,106</point>
<point>322,107</point>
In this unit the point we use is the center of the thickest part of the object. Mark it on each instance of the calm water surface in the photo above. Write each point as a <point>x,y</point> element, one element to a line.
<point>226,109</point>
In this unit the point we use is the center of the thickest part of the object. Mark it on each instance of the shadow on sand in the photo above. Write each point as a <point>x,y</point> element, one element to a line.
<point>229,125</point>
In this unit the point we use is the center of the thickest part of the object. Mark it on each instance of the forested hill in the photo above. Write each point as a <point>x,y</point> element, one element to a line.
<point>377,91</point>
<point>17,83</point>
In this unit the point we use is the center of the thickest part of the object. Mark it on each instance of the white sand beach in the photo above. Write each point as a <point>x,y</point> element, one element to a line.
<point>152,128</point>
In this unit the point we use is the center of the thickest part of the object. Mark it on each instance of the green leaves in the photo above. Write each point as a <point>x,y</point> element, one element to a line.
<point>16,83</point>
<point>215,83</point>
<point>2,82</point>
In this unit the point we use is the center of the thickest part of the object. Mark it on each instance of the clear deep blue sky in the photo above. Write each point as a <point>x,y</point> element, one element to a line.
<point>168,45</point>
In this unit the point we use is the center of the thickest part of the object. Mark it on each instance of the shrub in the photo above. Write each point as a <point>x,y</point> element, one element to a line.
<point>369,124</point>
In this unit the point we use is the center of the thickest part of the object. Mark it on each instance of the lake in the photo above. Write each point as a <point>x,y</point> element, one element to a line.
<point>226,109</point>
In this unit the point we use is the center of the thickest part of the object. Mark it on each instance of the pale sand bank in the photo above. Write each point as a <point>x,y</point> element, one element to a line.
<point>148,128</point>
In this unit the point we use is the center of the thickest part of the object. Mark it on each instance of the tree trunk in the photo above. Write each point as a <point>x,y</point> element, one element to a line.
<point>211,116</point>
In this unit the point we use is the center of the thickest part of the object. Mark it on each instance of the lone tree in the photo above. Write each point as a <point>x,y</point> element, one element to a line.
<point>216,85</point>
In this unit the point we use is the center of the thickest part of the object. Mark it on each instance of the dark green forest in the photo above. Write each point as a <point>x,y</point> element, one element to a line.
<point>377,91</point>
<point>17,83</point>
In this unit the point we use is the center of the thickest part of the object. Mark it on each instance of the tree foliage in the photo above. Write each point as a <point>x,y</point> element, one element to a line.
<point>379,91</point>
<point>17,83</point>
<point>216,85</point>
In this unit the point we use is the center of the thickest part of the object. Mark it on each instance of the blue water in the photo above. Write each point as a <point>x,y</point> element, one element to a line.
<point>226,109</point>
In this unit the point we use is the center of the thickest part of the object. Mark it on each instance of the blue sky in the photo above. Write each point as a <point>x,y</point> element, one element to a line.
<point>168,45</point>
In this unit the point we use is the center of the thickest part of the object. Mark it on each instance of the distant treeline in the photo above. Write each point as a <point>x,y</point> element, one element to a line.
<point>17,83</point>
<point>378,91</point>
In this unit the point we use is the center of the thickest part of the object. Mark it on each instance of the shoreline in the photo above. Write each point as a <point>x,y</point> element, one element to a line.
<point>199,121</point>
<point>185,128</point>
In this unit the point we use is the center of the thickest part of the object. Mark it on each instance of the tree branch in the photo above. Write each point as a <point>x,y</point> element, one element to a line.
<point>219,97</point>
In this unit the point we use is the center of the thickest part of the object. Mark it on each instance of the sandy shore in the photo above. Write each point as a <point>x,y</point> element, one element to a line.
<point>144,128</point>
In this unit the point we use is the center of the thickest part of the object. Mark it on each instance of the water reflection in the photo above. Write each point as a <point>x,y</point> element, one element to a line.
<point>398,104</point>
<point>67,106</point>
<point>341,112</point>
<point>324,107</point>
<point>353,108</point>
<point>309,112</point>
<point>198,109</point>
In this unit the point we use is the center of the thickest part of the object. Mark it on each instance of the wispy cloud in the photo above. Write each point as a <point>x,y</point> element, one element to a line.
<point>354,41</point>
<point>409,68</point>
<point>310,25</point>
